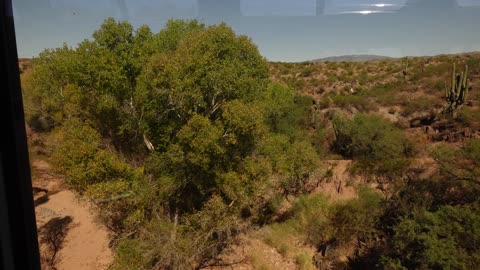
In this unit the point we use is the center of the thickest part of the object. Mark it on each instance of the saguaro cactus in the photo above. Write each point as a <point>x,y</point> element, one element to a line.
<point>405,69</point>
<point>457,93</point>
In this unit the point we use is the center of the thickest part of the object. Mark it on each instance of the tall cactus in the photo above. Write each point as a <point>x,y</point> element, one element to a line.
<point>405,69</point>
<point>457,93</point>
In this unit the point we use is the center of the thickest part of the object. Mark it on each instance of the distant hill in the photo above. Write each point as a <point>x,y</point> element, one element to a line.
<point>352,58</point>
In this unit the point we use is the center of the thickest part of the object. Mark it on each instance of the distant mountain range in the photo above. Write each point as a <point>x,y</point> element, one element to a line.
<point>352,58</point>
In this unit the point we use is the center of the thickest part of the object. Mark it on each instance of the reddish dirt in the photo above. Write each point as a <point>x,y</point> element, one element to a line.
<point>85,245</point>
<point>251,253</point>
<point>338,186</point>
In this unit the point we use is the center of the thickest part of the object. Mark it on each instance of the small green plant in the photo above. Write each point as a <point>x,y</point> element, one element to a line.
<point>304,261</point>
<point>363,78</point>
<point>420,104</point>
<point>307,71</point>
<point>361,103</point>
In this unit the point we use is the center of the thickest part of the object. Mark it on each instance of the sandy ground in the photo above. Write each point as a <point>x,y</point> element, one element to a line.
<point>85,245</point>
<point>252,253</point>
<point>337,188</point>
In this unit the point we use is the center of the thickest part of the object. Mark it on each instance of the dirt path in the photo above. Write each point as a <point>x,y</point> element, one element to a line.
<point>84,241</point>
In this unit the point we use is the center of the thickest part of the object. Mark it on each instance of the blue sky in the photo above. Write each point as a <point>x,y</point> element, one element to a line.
<point>284,30</point>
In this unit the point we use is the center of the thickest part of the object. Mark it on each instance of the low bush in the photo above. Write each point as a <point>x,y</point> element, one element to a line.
<point>326,225</point>
<point>361,103</point>
<point>469,117</point>
<point>421,104</point>
<point>459,163</point>
<point>374,142</point>
<point>80,159</point>
<point>188,242</point>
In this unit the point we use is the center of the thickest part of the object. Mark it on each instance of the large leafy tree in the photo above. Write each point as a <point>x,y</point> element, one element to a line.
<point>208,69</point>
<point>200,99</point>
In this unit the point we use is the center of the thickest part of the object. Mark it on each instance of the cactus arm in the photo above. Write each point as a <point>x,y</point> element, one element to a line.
<point>453,78</point>
<point>405,69</point>
<point>453,90</point>
<point>466,87</point>
<point>464,79</point>
<point>459,85</point>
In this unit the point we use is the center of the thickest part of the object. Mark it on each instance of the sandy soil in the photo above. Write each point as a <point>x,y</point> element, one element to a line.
<point>251,253</point>
<point>338,188</point>
<point>85,245</point>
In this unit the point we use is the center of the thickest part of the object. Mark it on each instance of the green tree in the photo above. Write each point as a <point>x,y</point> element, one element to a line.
<point>170,36</point>
<point>295,163</point>
<point>51,73</point>
<point>199,79</point>
<point>285,112</point>
<point>78,157</point>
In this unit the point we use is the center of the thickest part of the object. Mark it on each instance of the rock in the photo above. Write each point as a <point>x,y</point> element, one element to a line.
<point>45,212</point>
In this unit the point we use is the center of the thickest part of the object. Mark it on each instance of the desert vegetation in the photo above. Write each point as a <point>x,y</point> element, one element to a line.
<point>192,147</point>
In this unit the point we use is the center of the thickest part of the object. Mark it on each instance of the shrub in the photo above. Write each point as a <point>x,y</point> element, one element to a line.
<point>129,254</point>
<point>363,212</point>
<point>469,117</point>
<point>383,93</point>
<point>361,103</point>
<point>307,71</point>
<point>294,162</point>
<point>363,78</point>
<point>301,165</point>
<point>103,167</point>
<point>299,84</point>
<point>311,218</point>
<point>444,239</point>
<point>473,62</point>
<point>324,223</point>
<point>332,79</point>
<point>124,205</point>
<point>375,142</point>
<point>304,261</point>
<point>420,104</point>
<point>188,242</point>
<point>459,164</point>
<point>78,157</point>
<point>79,143</point>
